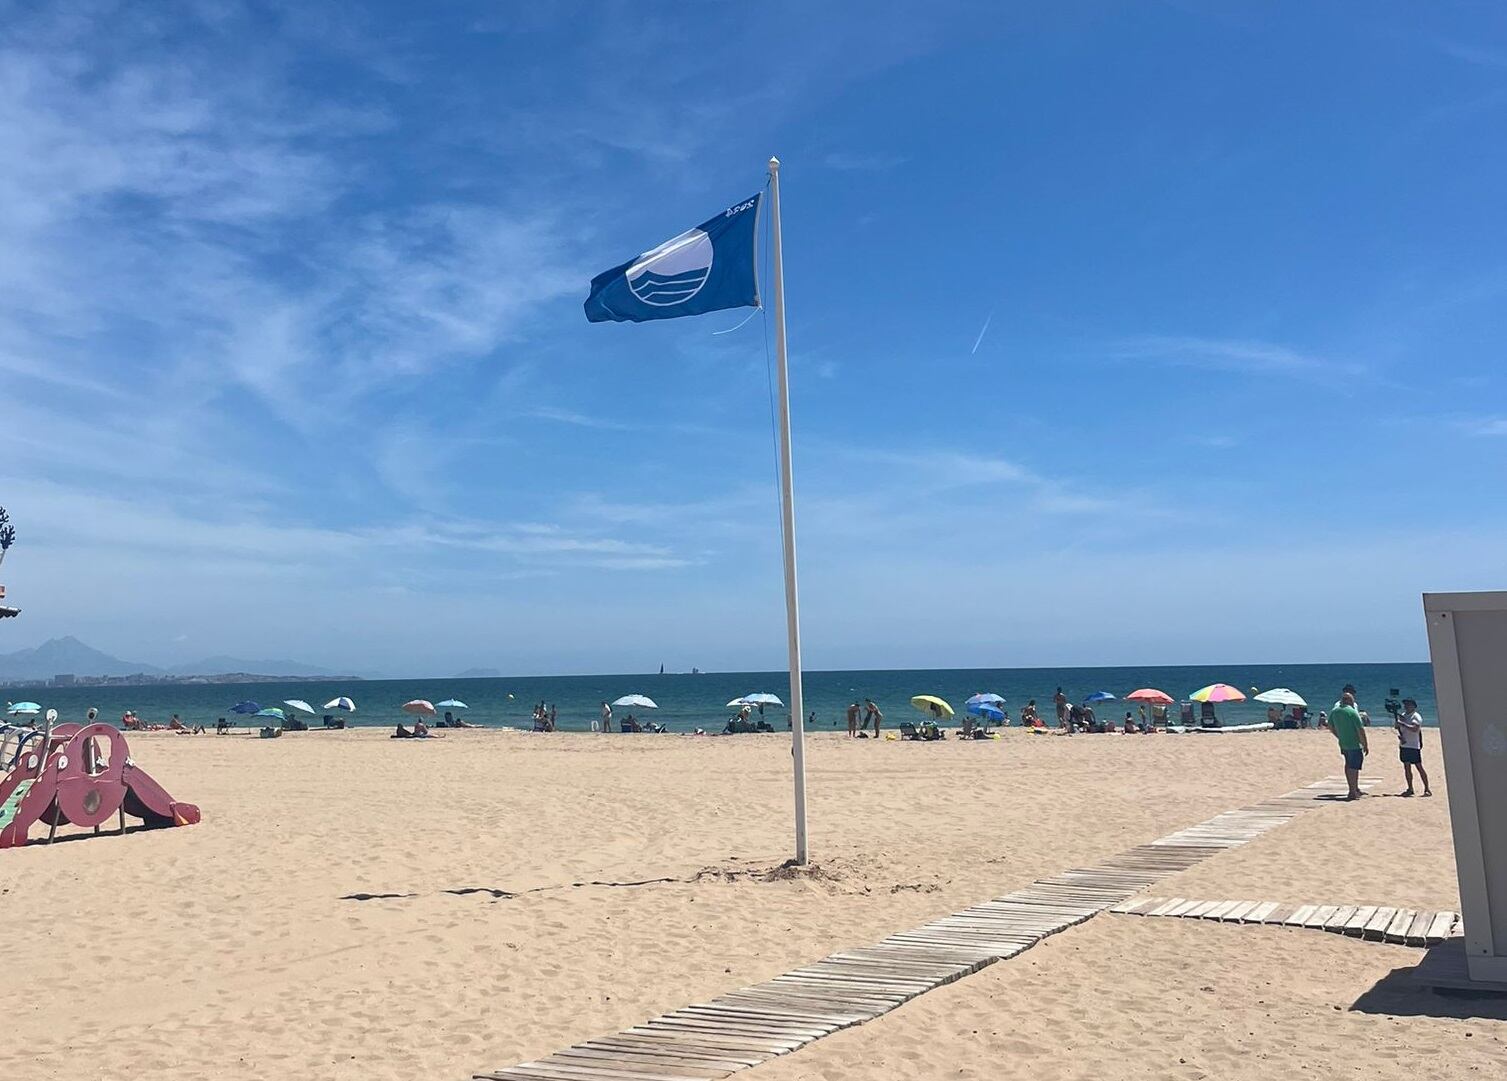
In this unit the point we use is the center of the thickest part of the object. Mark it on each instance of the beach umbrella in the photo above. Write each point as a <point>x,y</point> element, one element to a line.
<point>298,704</point>
<point>930,703</point>
<point>245,707</point>
<point>418,705</point>
<point>984,700</point>
<point>270,711</point>
<point>736,703</point>
<point>24,709</point>
<point>451,703</point>
<point>1281,696</point>
<point>763,699</point>
<point>341,703</point>
<point>1151,696</point>
<point>1218,692</point>
<point>988,712</point>
<point>1099,696</point>
<point>636,701</point>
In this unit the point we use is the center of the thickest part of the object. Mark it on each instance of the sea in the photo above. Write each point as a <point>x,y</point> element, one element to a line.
<point>687,702</point>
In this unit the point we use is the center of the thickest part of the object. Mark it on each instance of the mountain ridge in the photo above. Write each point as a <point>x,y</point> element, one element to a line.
<point>67,655</point>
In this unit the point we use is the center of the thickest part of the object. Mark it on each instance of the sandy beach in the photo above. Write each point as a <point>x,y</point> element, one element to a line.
<point>355,907</point>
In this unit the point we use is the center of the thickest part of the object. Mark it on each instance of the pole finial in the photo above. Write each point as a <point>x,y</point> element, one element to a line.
<point>774,165</point>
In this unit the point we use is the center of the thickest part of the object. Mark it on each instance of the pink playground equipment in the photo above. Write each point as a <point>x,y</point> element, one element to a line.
<point>80,775</point>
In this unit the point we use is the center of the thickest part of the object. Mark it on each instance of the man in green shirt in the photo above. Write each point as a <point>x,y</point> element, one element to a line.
<point>1345,723</point>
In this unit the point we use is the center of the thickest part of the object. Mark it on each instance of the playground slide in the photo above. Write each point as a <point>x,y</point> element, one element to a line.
<point>10,802</point>
<point>79,786</point>
<point>149,801</point>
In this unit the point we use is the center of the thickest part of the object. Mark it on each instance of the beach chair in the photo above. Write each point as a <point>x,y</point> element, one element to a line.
<point>908,730</point>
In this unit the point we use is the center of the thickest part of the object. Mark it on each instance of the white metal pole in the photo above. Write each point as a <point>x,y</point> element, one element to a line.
<point>787,511</point>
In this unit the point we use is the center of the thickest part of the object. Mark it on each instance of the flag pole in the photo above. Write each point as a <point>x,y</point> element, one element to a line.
<point>787,517</point>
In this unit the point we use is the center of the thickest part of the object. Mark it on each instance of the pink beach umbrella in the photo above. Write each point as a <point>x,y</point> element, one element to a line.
<point>1151,696</point>
<point>418,705</point>
<point>1218,692</point>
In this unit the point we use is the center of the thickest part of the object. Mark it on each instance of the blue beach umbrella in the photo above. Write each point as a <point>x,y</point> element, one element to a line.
<point>451,703</point>
<point>984,700</point>
<point>1099,696</point>
<point>988,712</point>
<point>245,707</point>
<point>271,711</point>
<point>24,709</point>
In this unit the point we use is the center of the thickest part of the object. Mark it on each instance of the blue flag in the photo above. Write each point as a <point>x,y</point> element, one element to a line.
<point>704,269</point>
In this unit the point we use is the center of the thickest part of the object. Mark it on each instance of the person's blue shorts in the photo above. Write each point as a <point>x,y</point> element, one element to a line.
<point>1413,756</point>
<point>1354,759</point>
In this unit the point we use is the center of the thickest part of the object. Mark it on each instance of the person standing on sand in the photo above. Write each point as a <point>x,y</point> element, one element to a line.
<point>1409,725</point>
<point>853,721</point>
<point>1344,722</point>
<point>872,715</point>
<point>606,717</point>
<point>1062,717</point>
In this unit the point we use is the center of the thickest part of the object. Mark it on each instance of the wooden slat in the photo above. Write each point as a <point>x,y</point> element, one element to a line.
<point>1376,926</point>
<point>742,1028</point>
<point>1439,927</point>
<point>1397,930</point>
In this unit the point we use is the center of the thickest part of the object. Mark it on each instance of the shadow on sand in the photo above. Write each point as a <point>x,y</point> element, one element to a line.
<point>1425,989</point>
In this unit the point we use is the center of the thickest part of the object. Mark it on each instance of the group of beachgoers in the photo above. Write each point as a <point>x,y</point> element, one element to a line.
<point>1348,722</point>
<point>627,723</point>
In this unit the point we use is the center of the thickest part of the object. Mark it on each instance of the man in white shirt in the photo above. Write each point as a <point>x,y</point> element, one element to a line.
<point>1409,727</point>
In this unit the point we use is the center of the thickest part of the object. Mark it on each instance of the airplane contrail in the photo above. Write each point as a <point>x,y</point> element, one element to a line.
<point>985,330</point>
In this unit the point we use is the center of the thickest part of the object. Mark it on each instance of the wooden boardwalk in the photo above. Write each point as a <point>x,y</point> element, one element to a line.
<point>1403,926</point>
<point>745,1027</point>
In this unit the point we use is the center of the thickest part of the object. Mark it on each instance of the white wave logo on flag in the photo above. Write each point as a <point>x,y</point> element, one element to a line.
<point>674,272</point>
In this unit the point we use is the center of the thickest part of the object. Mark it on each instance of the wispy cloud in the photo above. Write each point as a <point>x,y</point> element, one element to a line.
<point>580,420</point>
<point>1473,53</point>
<point>1233,355</point>
<point>1485,426</point>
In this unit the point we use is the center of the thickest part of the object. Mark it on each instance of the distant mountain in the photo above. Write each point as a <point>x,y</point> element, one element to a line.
<point>68,655</point>
<point>212,666</point>
<point>478,673</point>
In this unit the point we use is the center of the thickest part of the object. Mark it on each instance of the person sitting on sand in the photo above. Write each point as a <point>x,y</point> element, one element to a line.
<point>420,729</point>
<point>130,722</point>
<point>401,732</point>
<point>1129,724</point>
<point>222,727</point>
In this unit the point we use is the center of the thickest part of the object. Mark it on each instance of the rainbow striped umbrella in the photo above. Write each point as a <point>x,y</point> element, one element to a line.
<point>1218,692</point>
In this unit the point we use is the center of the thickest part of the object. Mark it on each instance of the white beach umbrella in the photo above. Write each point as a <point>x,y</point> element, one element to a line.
<point>298,704</point>
<point>341,703</point>
<point>420,706</point>
<point>636,701</point>
<point>1281,696</point>
<point>763,699</point>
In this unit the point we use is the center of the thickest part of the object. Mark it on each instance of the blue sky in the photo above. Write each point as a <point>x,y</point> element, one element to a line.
<point>294,362</point>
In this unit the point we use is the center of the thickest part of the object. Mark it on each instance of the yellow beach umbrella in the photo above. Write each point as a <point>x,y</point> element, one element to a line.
<point>1217,692</point>
<point>930,703</point>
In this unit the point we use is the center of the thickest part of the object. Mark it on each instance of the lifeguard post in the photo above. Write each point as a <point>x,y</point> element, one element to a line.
<point>1468,646</point>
